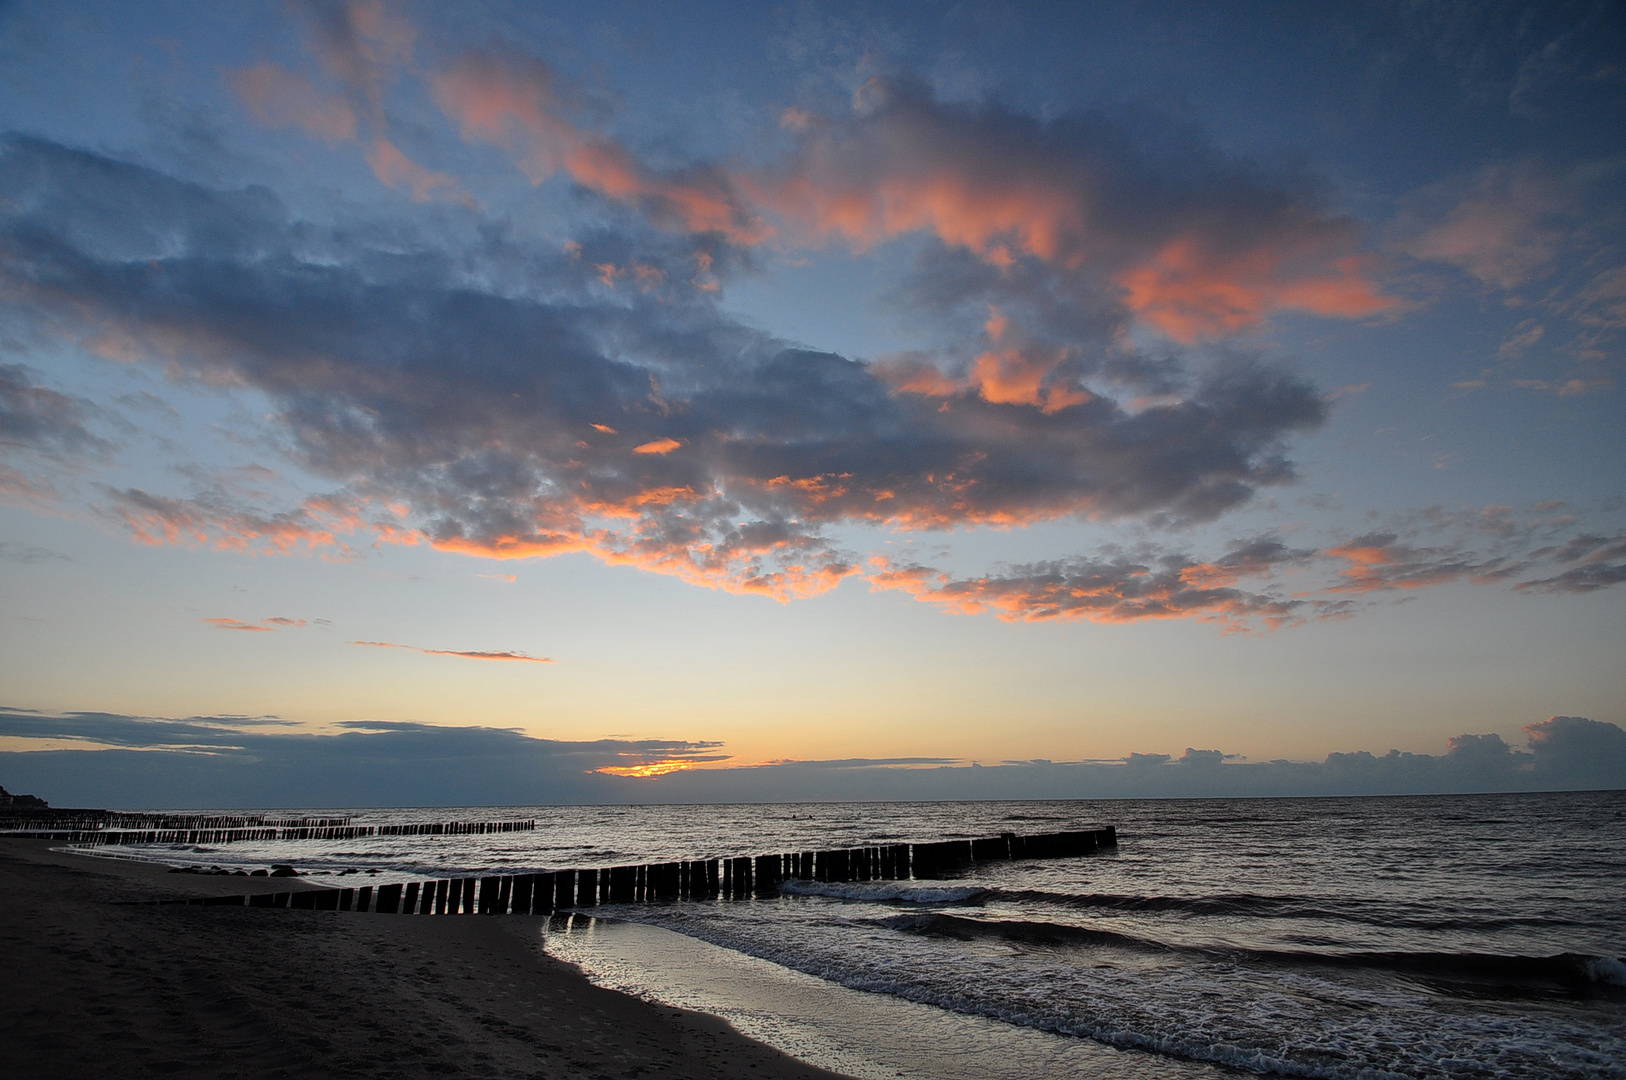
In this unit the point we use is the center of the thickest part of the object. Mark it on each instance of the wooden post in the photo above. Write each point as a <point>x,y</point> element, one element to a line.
<point>468,895</point>
<point>768,874</point>
<point>389,900</point>
<point>489,888</point>
<point>586,888</point>
<point>521,902</point>
<point>505,895</point>
<point>409,901</point>
<point>991,847</point>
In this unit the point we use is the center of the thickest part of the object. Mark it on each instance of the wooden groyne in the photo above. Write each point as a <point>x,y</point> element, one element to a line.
<point>49,820</point>
<point>235,830</point>
<point>698,879</point>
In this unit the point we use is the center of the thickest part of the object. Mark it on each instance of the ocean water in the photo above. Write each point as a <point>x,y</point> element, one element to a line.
<point>1447,936</point>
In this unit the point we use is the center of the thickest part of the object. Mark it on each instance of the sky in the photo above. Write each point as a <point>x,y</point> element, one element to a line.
<point>828,400</point>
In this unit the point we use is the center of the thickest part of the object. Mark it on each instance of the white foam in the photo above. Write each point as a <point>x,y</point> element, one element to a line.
<point>864,1035</point>
<point>1605,970</point>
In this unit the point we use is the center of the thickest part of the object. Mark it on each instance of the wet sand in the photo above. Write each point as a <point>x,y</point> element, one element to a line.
<point>95,987</point>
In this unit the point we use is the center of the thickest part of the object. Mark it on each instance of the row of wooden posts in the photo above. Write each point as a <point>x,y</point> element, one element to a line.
<point>699,879</point>
<point>299,831</point>
<point>58,821</point>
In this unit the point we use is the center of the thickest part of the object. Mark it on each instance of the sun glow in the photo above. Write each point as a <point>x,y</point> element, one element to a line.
<point>653,768</point>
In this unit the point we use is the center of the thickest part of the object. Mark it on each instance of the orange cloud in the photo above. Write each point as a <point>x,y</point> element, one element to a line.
<point>315,526</point>
<point>1076,201</point>
<point>395,169</point>
<point>466,654</point>
<point>238,624</point>
<point>279,98</point>
<point>1023,377</point>
<point>511,100</point>
<point>1379,562</point>
<point>683,540</point>
<point>986,216</point>
<point>657,446</point>
<point>914,373</point>
<point>270,625</point>
<point>1189,291</point>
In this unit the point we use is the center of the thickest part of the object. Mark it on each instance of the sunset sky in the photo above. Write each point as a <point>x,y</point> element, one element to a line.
<point>972,383</point>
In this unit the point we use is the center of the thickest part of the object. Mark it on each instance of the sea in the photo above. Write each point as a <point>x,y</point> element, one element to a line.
<point>1440,936</point>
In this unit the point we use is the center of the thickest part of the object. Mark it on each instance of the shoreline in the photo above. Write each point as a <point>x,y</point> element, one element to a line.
<point>102,984</point>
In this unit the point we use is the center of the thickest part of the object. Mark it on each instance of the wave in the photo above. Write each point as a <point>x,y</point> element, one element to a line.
<point>886,892</point>
<point>1286,907</point>
<point>1508,974</point>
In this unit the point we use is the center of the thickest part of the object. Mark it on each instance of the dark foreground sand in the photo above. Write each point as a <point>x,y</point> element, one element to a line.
<point>93,988</point>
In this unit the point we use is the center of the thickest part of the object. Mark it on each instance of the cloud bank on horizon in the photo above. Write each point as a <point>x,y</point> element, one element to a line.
<point>450,376</point>
<point>102,759</point>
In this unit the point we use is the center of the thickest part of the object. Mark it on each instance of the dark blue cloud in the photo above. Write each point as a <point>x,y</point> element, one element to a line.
<point>214,762</point>
<point>464,379</point>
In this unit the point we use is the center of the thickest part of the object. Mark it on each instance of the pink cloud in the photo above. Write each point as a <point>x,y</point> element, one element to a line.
<point>512,100</point>
<point>279,98</point>
<point>238,624</point>
<point>395,169</point>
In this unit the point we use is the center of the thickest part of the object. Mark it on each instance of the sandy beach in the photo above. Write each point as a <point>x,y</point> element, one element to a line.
<point>97,985</point>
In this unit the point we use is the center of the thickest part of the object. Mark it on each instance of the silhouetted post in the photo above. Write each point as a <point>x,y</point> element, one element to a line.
<point>347,897</point>
<point>841,866</point>
<point>564,895</point>
<point>364,898</point>
<point>769,873</point>
<point>409,901</point>
<point>586,888</point>
<point>520,903</point>
<point>488,895</point>
<point>505,894</point>
<point>389,900</point>
<point>991,847</point>
<point>468,895</point>
<point>623,885</point>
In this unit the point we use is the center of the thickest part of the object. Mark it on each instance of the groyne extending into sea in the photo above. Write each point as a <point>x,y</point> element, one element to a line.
<point>696,879</point>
